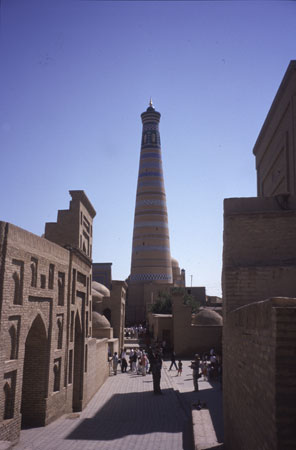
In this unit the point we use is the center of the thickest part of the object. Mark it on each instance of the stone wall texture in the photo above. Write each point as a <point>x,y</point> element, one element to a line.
<point>260,376</point>
<point>259,335</point>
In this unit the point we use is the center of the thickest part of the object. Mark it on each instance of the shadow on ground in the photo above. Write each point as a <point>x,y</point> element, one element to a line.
<point>213,400</point>
<point>136,413</point>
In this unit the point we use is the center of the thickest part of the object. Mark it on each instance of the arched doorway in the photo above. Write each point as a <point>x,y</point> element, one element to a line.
<point>35,375</point>
<point>78,365</point>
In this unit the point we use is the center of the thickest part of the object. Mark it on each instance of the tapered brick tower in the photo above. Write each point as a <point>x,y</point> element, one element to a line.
<point>151,266</point>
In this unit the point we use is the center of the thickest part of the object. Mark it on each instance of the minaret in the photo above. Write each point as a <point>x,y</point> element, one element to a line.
<point>151,256</point>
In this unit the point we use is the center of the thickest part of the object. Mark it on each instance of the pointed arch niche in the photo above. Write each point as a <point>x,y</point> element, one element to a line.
<point>35,374</point>
<point>9,395</point>
<point>78,365</point>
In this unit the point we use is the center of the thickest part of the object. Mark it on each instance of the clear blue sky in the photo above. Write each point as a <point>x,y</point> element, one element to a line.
<point>75,77</point>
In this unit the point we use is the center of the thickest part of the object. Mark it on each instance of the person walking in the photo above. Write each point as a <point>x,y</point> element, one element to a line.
<point>195,367</point>
<point>173,361</point>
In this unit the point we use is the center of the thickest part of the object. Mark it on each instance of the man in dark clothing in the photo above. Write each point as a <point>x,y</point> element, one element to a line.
<point>156,364</point>
<point>150,358</point>
<point>195,367</point>
<point>173,361</point>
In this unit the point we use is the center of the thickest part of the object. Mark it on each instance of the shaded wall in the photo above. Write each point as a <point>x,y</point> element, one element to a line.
<point>259,376</point>
<point>97,367</point>
<point>162,327</point>
<point>275,148</point>
<point>259,262</point>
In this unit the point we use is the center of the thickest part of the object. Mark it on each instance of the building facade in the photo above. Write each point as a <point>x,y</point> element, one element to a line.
<point>259,291</point>
<point>50,363</point>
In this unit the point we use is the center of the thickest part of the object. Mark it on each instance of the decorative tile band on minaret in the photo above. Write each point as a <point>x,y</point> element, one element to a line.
<point>151,257</point>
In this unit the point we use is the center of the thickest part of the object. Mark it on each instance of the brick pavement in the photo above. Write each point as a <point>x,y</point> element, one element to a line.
<point>207,423</point>
<point>126,415</point>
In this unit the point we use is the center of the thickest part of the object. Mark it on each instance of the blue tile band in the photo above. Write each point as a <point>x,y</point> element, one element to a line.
<point>151,277</point>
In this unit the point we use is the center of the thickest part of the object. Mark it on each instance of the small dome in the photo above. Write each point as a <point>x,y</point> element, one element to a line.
<point>207,317</point>
<point>99,321</point>
<point>96,296</point>
<point>100,289</point>
<point>174,262</point>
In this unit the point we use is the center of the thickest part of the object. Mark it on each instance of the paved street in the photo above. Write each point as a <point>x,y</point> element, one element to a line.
<point>125,414</point>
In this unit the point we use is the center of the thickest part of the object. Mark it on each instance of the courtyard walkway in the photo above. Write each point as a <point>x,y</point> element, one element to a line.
<point>126,415</point>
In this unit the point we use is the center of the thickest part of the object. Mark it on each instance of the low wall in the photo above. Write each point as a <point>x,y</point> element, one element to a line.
<point>259,373</point>
<point>98,368</point>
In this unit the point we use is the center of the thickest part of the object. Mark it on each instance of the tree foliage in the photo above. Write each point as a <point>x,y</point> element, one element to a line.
<point>189,300</point>
<point>163,304</point>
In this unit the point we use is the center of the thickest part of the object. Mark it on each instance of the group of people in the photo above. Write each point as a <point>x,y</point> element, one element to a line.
<point>140,363</point>
<point>137,360</point>
<point>208,366</point>
<point>134,331</point>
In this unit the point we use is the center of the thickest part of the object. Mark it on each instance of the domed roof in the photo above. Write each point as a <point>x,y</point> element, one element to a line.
<point>99,321</point>
<point>100,289</point>
<point>207,317</point>
<point>175,263</point>
<point>96,296</point>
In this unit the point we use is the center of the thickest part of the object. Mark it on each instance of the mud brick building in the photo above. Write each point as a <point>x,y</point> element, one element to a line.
<point>49,362</point>
<point>185,332</point>
<point>259,291</point>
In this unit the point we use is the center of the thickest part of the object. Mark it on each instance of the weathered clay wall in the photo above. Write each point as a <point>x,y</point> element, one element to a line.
<point>259,376</point>
<point>259,254</point>
<point>190,339</point>
<point>97,367</point>
<point>259,262</point>
<point>248,378</point>
<point>285,375</point>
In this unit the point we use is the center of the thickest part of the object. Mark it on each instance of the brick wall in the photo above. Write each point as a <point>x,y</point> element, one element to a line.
<point>46,327</point>
<point>98,367</point>
<point>190,339</point>
<point>259,253</point>
<point>285,375</point>
<point>259,376</point>
<point>259,339</point>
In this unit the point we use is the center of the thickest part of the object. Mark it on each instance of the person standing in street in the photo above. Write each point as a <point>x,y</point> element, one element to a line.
<point>156,372</point>
<point>195,367</point>
<point>123,361</point>
<point>115,363</point>
<point>180,365</point>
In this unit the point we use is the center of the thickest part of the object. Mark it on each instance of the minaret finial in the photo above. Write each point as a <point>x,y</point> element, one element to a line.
<point>150,103</point>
